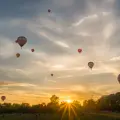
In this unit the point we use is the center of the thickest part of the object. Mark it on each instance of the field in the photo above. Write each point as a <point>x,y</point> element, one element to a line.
<point>100,116</point>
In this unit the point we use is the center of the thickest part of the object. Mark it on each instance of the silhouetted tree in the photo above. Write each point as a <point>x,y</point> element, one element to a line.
<point>54,99</point>
<point>53,106</point>
<point>104,103</point>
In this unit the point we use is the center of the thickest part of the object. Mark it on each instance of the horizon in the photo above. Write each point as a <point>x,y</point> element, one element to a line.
<point>56,36</point>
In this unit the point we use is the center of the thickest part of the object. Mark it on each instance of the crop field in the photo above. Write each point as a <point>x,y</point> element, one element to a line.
<point>57,117</point>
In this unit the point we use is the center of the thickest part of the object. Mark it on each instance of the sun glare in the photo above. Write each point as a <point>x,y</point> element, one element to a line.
<point>68,101</point>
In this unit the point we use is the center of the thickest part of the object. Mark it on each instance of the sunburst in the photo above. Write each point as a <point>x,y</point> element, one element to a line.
<point>68,108</point>
<point>68,101</point>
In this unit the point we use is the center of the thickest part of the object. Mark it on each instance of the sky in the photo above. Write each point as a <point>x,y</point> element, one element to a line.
<point>93,25</point>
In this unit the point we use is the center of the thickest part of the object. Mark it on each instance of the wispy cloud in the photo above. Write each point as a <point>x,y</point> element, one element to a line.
<point>94,16</point>
<point>92,25</point>
<point>7,48</point>
<point>115,58</point>
<point>62,44</point>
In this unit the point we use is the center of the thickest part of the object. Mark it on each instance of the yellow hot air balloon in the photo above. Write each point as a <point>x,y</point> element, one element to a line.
<point>18,55</point>
<point>90,64</point>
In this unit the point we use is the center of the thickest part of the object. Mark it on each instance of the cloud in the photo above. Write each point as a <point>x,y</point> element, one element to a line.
<point>94,16</point>
<point>92,25</point>
<point>62,44</point>
<point>115,58</point>
<point>109,29</point>
<point>64,3</point>
<point>7,48</point>
<point>19,10</point>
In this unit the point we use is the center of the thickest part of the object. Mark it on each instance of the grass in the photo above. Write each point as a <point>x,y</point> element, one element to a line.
<point>56,117</point>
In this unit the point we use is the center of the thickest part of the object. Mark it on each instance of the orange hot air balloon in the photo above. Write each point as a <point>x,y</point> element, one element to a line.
<point>118,78</point>
<point>79,50</point>
<point>3,98</point>
<point>90,64</point>
<point>18,55</point>
<point>32,50</point>
<point>21,40</point>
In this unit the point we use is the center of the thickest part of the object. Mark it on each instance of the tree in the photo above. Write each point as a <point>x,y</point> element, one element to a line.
<point>89,105</point>
<point>54,99</point>
<point>53,106</point>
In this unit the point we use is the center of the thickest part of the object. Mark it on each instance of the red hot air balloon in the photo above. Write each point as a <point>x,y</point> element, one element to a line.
<point>32,50</point>
<point>21,40</point>
<point>3,98</point>
<point>16,41</point>
<point>79,50</point>
<point>49,10</point>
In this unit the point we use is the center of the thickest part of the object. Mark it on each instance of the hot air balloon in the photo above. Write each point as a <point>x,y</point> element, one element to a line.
<point>3,98</point>
<point>90,64</point>
<point>32,50</point>
<point>16,41</point>
<point>51,74</point>
<point>79,50</point>
<point>21,40</point>
<point>118,78</point>
<point>18,55</point>
<point>49,10</point>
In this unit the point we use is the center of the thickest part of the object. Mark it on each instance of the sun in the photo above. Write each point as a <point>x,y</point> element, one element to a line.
<point>68,101</point>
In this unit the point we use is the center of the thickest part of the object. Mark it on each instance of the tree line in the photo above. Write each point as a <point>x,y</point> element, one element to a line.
<point>109,103</point>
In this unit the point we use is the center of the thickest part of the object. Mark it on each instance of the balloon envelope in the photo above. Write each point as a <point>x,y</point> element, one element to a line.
<point>118,78</point>
<point>51,74</point>
<point>16,41</point>
<point>21,40</point>
<point>3,98</point>
<point>32,50</point>
<point>49,10</point>
<point>90,64</point>
<point>79,50</point>
<point>18,55</point>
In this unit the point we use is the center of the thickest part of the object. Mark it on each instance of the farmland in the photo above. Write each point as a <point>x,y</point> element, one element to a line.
<point>101,116</point>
